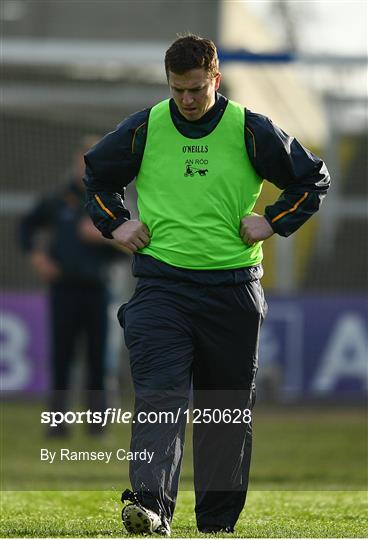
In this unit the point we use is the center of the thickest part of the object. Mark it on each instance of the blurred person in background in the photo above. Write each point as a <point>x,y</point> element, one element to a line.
<point>73,259</point>
<point>199,160</point>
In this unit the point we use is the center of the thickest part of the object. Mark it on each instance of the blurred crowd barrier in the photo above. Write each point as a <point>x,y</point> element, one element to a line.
<point>311,347</point>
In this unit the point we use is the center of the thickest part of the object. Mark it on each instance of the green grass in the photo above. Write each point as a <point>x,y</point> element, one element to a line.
<point>308,478</point>
<point>267,514</point>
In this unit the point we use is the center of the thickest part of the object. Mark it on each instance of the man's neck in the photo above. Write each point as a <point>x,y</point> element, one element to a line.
<point>202,127</point>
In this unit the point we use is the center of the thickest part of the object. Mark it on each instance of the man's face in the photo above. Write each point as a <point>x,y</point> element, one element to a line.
<point>193,92</point>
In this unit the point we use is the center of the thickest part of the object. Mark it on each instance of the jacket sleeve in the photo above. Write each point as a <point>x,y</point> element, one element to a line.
<point>283,161</point>
<point>110,166</point>
<point>39,219</point>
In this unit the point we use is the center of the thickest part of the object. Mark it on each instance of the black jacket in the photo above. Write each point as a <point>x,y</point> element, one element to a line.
<point>58,217</point>
<point>277,157</point>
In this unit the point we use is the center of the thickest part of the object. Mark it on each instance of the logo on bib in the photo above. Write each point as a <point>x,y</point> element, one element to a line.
<point>196,166</point>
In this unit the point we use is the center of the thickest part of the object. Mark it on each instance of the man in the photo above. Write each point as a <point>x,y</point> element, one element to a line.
<point>199,160</point>
<point>71,256</point>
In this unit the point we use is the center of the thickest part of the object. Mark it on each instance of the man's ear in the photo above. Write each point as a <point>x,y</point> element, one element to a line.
<point>217,81</point>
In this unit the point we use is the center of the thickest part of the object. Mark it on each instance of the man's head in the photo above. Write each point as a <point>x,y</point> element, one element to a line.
<point>192,70</point>
<point>85,144</point>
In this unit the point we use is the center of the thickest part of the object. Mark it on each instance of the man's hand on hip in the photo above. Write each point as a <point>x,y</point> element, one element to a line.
<point>132,235</point>
<point>254,228</point>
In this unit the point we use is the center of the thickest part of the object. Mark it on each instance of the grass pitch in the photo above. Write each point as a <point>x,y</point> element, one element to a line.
<point>308,479</point>
<point>268,514</point>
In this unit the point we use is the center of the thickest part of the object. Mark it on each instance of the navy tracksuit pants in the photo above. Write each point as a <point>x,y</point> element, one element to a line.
<point>181,334</point>
<point>78,309</point>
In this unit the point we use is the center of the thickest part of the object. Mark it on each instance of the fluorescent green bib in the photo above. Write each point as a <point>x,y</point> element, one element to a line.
<point>192,193</point>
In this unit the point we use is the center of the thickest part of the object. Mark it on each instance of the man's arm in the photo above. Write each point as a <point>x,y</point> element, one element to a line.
<point>37,221</point>
<point>110,166</point>
<point>301,175</point>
